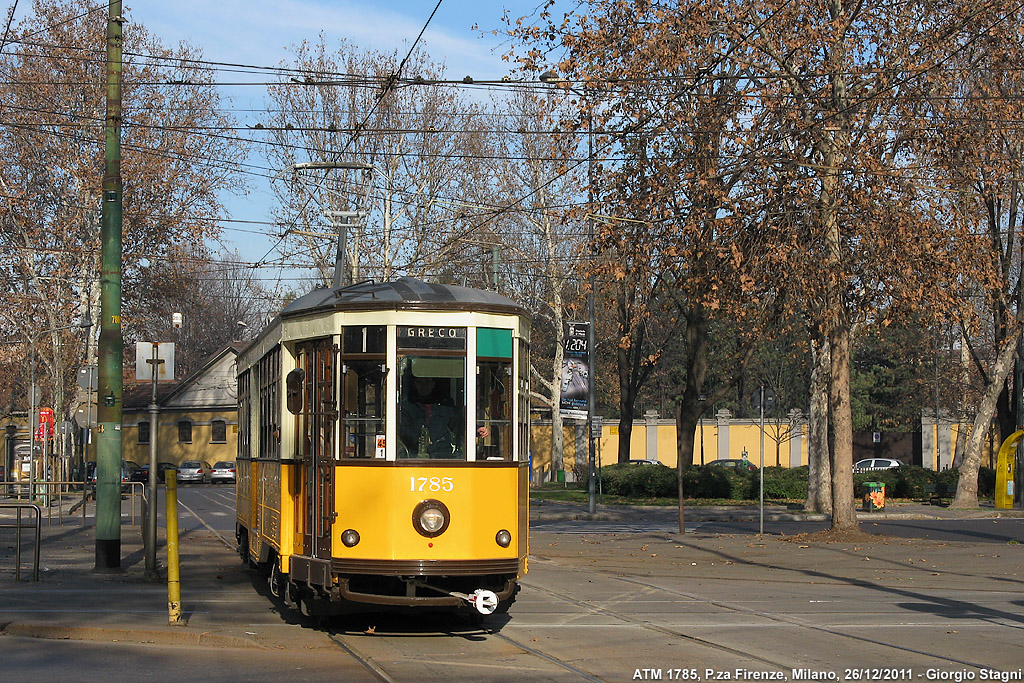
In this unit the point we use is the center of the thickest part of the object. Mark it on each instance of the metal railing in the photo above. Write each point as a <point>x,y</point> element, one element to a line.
<point>19,525</point>
<point>54,496</point>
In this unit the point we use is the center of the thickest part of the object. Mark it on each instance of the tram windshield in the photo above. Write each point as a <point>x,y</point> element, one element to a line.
<point>431,407</point>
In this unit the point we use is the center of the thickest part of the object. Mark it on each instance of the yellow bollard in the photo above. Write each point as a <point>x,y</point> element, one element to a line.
<point>173,570</point>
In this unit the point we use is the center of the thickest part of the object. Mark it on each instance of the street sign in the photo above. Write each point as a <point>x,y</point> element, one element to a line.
<point>143,356</point>
<point>769,400</point>
<point>86,415</point>
<point>88,378</point>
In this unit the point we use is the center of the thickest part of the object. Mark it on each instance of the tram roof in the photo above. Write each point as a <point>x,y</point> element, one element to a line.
<point>404,293</point>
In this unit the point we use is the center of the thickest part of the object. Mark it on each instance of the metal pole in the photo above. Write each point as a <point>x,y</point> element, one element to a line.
<point>154,412</point>
<point>591,384</point>
<point>110,352</point>
<point>761,527</point>
<point>33,421</point>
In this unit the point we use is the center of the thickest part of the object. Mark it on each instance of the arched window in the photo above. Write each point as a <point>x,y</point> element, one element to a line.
<point>184,431</point>
<point>144,432</point>
<point>219,429</point>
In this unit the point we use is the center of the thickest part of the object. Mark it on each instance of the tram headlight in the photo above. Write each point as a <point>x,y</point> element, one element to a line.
<point>350,537</point>
<point>430,518</point>
<point>503,538</point>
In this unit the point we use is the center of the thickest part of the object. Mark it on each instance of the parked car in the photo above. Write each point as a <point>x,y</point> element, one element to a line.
<point>139,473</point>
<point>636,461</point>
<point>161,471</point>
<point>129,470</point>
<point>194,471</point>
<point>737,463</point>
<point>223,472</point>
<point>875,464</point>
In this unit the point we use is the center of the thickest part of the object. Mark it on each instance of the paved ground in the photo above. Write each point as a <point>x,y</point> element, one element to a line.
<point>227,607</point>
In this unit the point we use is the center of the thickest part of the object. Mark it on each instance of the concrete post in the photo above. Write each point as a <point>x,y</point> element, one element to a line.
<point>928,459</point>
<point>651,422</point>
<point>724,417</point>
<point>796,440</point>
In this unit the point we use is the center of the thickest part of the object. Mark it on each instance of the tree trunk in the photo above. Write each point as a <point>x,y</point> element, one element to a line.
<point>625,436</point>
<point>967,486</point>
<point>687,417</point>
<point>627,400</point>
<point>844,515</point>
<point>819,470</point>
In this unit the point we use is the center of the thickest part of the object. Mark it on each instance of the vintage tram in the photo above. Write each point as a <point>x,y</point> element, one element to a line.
<point>383,448</point>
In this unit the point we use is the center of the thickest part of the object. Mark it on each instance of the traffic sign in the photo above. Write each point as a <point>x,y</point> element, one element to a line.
<point>88,378</point>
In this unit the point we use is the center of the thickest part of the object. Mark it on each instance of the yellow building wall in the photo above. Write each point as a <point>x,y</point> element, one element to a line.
<point>169,449</point>
<point>742,436</point>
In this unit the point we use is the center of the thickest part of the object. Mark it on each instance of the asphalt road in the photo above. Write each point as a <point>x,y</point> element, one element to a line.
<point>602,601</point>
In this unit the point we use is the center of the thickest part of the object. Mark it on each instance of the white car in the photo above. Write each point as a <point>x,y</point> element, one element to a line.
<point>223,472</point>
<point>875,464</point>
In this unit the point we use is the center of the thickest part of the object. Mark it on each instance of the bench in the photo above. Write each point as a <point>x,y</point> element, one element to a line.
<point>936,493</point>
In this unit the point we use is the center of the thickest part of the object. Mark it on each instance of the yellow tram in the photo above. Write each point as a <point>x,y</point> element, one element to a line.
<point>383,448</point>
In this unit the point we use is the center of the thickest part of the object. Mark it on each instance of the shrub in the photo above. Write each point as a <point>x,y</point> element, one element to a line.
<point>639,481</point>
<point>783,483</point>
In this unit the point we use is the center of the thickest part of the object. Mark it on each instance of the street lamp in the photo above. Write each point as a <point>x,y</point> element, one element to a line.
<point>84,323</point>
<point>552,78</point>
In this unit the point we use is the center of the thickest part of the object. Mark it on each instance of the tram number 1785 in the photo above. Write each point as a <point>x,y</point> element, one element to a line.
<point>434,484</point>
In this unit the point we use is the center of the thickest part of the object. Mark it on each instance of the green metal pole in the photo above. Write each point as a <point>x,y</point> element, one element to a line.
<point>111,344</point>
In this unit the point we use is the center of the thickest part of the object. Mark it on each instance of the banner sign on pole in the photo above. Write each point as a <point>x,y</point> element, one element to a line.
<point>575,372</point>
<point>46,421</point>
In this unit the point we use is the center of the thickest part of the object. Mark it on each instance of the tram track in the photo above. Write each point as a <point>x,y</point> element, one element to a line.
<point>738,609</point>
<point>366,661</point>
<point>370,663</point>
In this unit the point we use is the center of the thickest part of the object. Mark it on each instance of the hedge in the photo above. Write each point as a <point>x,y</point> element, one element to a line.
<point>780,483</point>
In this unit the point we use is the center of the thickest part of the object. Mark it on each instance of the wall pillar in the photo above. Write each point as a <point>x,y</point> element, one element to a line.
<point>796,438</point>
<point>724,417</point>
<point>945,432</point>
<point>651,430</point>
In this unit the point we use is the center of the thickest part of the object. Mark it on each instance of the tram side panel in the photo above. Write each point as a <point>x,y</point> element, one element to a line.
<point>378,503</point>
<point>243,498</point>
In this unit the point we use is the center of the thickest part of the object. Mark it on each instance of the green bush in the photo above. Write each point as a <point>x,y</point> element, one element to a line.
<point>639,481</point>
<point>784,483</point>
<point>704,482</point>
<point>780,483</point>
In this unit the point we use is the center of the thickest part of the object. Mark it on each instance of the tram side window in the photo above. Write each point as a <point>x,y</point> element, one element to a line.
<point>431,407</point>
<point>269,378</point>
<point>524,401</point>
<point>364,370</point>
<point>493,410</point>
<point>363,401</point>
<point>244,409</point>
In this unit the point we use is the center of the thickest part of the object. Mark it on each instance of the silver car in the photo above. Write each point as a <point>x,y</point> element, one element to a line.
<point>194,472</point>
<point>223,472</point>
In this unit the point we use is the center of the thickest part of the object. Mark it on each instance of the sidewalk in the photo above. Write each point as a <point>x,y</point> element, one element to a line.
<point>226,604</point>
<point>552,511</point>
<point>221,599</point>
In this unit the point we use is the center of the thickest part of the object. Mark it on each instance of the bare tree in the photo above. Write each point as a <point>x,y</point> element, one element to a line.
<point>352,106</point>
<point>178,154</point>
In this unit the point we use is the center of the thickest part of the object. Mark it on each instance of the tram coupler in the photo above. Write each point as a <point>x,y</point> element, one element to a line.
<point>485,601</point>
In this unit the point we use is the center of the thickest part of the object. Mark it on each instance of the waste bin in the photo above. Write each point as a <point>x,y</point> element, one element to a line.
<point>560,476</point>
<point>874,496</point>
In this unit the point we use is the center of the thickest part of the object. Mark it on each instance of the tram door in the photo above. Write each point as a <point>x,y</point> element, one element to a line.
<point>316,441</point>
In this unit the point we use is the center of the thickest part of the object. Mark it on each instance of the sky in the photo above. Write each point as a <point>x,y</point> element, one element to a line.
<point>258,32</point>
